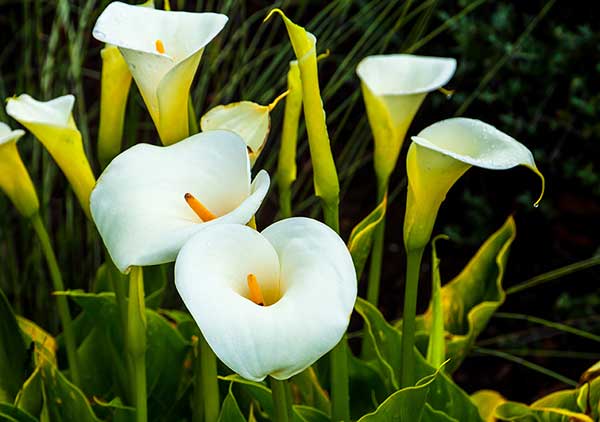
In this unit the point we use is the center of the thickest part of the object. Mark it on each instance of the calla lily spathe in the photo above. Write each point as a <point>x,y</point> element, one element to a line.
<point>440,155</point>
<point>140,203</point>
<point>163,51</point>
<point>394,86</point>
<point>52,123</point>
<point>14,177</point>
<point>249,120</point>
<point>307,279</point>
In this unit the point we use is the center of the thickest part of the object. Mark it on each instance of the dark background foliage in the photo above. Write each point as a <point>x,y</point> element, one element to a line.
<point>529,68</point>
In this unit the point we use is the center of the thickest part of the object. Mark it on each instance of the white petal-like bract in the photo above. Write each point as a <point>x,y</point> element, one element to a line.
<point>138,203</point>
<point>308,280</point>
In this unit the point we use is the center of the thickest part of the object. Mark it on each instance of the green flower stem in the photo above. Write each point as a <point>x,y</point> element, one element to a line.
<point>377,254</point>
<point>136,341</point>
<point>340,394</point>
<point>281,399</point>
<point>413,266</point>
<point>62,303</point>
<point>209,381</point>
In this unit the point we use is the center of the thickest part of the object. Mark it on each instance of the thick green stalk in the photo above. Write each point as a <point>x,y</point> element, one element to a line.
<point>340,392</point>
<point>136,341</point>
<point>413,266</point>
<point>61,301</point>
<point>210,385</point>
<point>283,408</point>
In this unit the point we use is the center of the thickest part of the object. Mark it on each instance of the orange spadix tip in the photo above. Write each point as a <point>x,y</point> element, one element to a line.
<point>200,210</point>
<point>160,47</point>
<point>256,295</point>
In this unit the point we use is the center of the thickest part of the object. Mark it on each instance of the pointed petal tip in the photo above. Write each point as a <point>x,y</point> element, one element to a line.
<point>273,11</point>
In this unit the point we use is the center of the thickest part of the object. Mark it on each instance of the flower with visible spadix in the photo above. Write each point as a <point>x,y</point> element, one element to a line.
<point>394,86</point>
<point>52,124</point>
<point>14,177</point>
<point>150,200</point>
<point>268,303</point>
<point>440,155</point>
<point>163,51</point>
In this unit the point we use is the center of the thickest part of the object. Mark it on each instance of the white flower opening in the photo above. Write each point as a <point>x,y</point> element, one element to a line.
<point>162,50</point>
<point>393,87</point>
<point>8,135</point>
<point>305,274</point>
<point>405,74</point>
<point>150,200</point>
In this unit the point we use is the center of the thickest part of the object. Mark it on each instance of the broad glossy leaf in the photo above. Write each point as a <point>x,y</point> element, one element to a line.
<point>230,411</point>
<point>560,406</point>
<point>10,413</point>
<point>487,401</point>
<point>13,353</point>
<point>165,353</point>
<point>470,299</point>
<point>30,398</point>
<point>309,414</point>
<point>306,385</point>
<point>65,402</point>
<point>432,415</point>
<point>361,237</point>
<point>44,345</point>
<point>260,393</point>
<point>385,340</point>
<point>367,388</point>
<point>407,404</point>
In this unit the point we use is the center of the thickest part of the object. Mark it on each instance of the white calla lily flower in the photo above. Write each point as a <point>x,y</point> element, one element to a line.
<point>268,303</point>
<point>150,200</point>
<point>440,155</point>
<point>163,51</point>
<point>250,120</point>
<point>394,86</point>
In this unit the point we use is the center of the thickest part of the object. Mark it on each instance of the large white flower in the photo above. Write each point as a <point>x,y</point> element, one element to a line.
<point>150,200</point>
<point>268,303</point>
<point>163,51</point>
<point>394,86</point>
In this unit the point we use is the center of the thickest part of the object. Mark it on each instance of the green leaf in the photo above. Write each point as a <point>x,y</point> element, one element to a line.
<point>487,401</point>
<point>432,415</point>
<point>10,413</point>
<point>574,405</point>
<point>367,387</point>
<point>44,345</point>
<point>165,353</point>
<point>385,340</point>
<point>65,402</point>
<point>436,350</point>
<point>471,298</point>
<point>230,411</point>
<point>30,398</point>
<point>309,414</point>
<point>407,404</point>
<point>361,238</point>
<point>13,353</point>
<point>310,390</point>
<point>260,393</point>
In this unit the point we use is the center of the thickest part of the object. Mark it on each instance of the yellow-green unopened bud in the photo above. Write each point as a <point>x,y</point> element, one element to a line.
<point>14,178</point>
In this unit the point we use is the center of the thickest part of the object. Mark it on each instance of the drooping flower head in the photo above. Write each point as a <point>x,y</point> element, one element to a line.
<point>268,303</point>
<point>150,200</point>
<point>440,155</point>
<point>163,51</point>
